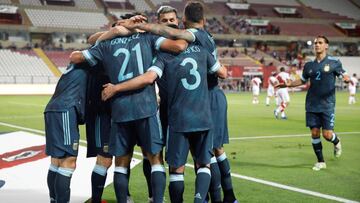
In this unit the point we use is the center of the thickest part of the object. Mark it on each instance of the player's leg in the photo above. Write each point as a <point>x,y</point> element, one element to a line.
<point>147,173</point>
<point>121,178</point>
<point>313,121</point>
<point>121,144</point>
<point>54,166</point>
<point>285,104</point>
<point>98,177</point>
<point>215,183</point>
<point>224,165</point>
<point>62,141</point>
<point>328,119</point>
<point>177,149</point>
<point>150,138</point>
<point>201,145</point>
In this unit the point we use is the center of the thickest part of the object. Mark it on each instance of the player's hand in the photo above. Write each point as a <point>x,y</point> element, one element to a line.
<point>133,22</point>
<point>108,91</point>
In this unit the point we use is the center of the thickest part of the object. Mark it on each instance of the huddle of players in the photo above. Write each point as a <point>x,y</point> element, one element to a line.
<point>190,103</point>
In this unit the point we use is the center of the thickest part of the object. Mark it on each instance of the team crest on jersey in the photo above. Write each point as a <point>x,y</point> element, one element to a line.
<point>326,67</point>
<point>75,146</point>
<point>106,148</point>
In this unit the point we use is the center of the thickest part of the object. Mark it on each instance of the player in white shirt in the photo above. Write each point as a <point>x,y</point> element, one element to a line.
<point>256,81</point>
<point>352,88</point>
<point>282,93</point>
<point>272,82</point>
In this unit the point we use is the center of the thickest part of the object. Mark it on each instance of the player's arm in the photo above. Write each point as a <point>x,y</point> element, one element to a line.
<point>214,67</point>
<point>115,32</point>
<point>222,72</point>
<point>138,82</point>
<point>174,46</point>
<point>162,30</point>
<point>77,57</point>
<point>92,39</point>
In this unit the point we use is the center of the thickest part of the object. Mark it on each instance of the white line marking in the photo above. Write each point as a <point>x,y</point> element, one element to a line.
<point>265,182</point>
<point>27,104</point>
<point>285,136</point>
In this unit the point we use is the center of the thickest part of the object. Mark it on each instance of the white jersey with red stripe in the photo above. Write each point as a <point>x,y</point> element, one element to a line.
<point>256,85</point>
<point>272,81</point>
<point>352,85</point>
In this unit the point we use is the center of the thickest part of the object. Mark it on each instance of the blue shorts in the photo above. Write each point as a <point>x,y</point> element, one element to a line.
<point>178,145</point>
<point>97,134</point>
<point>324,120</point>
<point>62,133</point>
<point>163,112</point>
<point>218,106</point>
<point>143,132</point>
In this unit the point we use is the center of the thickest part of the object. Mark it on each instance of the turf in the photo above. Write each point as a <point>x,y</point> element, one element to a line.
<point>285,160</point>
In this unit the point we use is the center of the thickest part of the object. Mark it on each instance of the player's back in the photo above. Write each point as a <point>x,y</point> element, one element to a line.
<point>70,91</point>
<point>272,81</point>
<point>205,39</point>
<point>188,96</point>
<point>126,58</point>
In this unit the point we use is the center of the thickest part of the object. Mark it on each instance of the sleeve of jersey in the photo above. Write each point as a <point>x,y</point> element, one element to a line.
<point>158,42</point>
<point>157,67</point>
<point>92,55</point>
<point>193,32</point>
<point>213,64</point>
<point>304,77</point>
<point>339,70</point>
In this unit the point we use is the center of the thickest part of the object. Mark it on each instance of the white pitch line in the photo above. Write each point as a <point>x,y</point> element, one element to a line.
<point>264,182</point>
<point>285,136</point>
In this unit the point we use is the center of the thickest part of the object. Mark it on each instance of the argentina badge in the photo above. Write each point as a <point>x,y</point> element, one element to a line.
<point>326,67</point>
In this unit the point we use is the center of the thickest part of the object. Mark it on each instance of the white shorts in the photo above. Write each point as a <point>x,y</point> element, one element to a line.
<point>256,91</point>
<point>352,90</point>
<point>283,95</point>
<point>270,91</point>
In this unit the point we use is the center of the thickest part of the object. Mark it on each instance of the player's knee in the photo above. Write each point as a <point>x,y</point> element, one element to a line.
<point>177,170</point>
<point>155,158</point>
<point>104,161</point>
<point>218,151</point>
<point>123,161</point>
<point>68,162</point>
<point>327,135</point>
<point>315,133</point>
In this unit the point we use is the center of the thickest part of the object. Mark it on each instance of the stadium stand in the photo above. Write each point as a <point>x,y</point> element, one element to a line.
<point>30,2</point>
<point>59,58</point>
<point>85,4</point>
<point>344,8</point>
<point>23,67</point>
<point>275,2</point>
<point>66,19</point>
<point>5,1</point>
<point>119,4</point>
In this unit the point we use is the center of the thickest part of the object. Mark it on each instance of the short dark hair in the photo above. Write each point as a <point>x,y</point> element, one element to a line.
<point>354,75</point>
<point>323,37</point>
<point>194,11</point>
<point>282,69</point>
<point>129,15</point>
<point>166,9</point>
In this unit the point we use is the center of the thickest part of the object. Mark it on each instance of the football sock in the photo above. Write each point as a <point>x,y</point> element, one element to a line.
<point>51,182</point>
<point>62,184</point>
<point>176,187</point>
<point>226,183</point>
<point>202,183</point>
<point>267,100</point>
<point>158,182</point>
<point>334,139</point>
<point>147,174</point>
<point>317,146</point>
<point>215,183</point>
<point>98,178</point>
<point>121,182</point>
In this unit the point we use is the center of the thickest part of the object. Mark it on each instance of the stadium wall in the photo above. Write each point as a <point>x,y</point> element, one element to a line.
<point>27,89</point>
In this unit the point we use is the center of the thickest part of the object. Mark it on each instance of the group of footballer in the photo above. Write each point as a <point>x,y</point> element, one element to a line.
<point>110,87</point>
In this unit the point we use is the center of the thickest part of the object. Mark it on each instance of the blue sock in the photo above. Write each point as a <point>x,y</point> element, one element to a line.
<point>158,182</point>
<point>147,174</point>
<point>176,187</point>
<point>98,178</point>
<point>51,182</point>
<point>121,182</point>
<point>215,184</point>
<point>334,139</point>
<point>226,183</point>
<point>202,184</point>
<point>317,146</point>
<point>62,184</point>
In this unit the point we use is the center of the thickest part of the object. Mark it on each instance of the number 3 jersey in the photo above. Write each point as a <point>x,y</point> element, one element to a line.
<point>124,58</point>
<point>187,88</point>
<point>322,75</point>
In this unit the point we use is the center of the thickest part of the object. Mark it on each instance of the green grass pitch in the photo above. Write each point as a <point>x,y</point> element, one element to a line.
<point>287,160</point>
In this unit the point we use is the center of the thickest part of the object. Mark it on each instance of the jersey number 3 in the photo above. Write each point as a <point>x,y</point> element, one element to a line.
<point>193,72</point>
<point>122,76</point>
